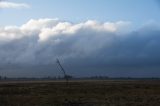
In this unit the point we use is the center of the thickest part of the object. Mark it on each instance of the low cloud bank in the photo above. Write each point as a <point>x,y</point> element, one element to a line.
<point>90,45</point>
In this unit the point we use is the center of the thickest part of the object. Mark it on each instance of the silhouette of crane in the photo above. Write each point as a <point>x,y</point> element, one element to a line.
<point>62,69</point>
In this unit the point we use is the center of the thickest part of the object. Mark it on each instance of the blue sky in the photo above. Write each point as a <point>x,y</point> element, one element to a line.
<point>136,11</point>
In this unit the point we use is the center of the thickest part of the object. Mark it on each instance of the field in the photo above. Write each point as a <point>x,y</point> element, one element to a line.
<point>80,93</point>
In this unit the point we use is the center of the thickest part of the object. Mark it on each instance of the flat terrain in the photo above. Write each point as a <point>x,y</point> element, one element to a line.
<point>80,93</point>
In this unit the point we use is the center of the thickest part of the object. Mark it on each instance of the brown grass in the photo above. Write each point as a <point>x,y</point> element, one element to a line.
<point>80,93</point>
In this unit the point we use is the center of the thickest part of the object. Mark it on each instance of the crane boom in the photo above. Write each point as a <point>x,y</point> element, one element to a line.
<point>62,69</point>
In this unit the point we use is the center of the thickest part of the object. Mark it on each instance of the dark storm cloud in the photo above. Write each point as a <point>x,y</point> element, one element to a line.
<point>88,48</point>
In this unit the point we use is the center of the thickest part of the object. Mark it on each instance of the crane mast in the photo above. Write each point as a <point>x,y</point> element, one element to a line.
<point>62,69</point>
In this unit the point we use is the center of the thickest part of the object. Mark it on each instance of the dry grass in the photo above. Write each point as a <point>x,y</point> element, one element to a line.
<point>81,93</point>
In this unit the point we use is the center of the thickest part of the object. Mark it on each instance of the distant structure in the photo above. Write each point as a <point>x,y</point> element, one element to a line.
<point>67,77</point>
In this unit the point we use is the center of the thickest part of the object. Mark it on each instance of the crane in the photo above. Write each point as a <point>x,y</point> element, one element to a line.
<point>62,69</point>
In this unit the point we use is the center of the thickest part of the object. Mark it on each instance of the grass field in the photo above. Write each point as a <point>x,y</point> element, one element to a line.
<point>80,93</point>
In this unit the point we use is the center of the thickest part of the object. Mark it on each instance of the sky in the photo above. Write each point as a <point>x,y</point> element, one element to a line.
<point>116,38</point>
<point>136,11</point>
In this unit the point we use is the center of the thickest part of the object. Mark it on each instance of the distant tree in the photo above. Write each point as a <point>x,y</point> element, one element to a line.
<point>69,76</point>
<point>5,78</point>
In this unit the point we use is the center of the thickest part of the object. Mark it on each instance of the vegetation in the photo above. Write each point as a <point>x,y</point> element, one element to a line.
<point>80,93</point>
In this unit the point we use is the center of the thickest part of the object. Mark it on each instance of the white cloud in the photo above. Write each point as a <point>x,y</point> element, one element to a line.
<point>46,28</point>
<point>4,4</point>
<point>91,43</point>
<point>37,33</point>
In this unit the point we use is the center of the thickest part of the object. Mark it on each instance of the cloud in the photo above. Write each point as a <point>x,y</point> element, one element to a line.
<point>53,35</point>
<point>5,4</point>
<point>88,48</point>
